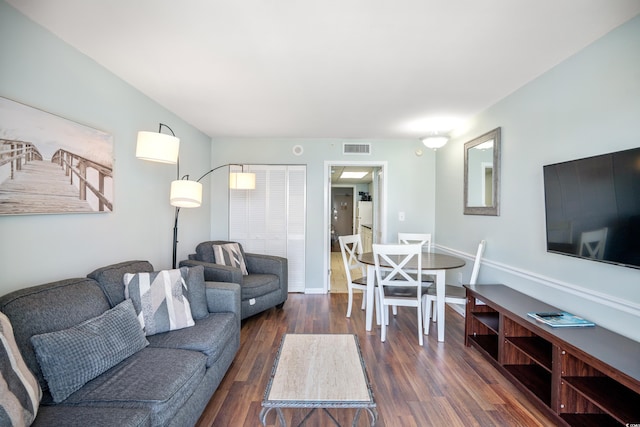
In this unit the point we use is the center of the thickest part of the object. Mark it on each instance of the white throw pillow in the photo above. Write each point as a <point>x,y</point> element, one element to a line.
<point>159,300</point>
<point>231,255</point>
<point>20,392</point>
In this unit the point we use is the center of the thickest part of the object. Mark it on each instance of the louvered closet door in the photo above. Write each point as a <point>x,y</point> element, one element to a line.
<point>296,214</point>
<point>271,219</point>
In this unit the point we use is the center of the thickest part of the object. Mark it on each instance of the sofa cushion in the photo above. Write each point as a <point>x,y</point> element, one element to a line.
<point>71,357</point>
<point>209,336</point>
<point>159,300</point>
<point>83,416</point>
<point>110,278</point>
<point>20,392</point>
<point>257,285</point>
<point>48,308</point>
<point>158,379</point>
<point>231,255</point>
<point>196,293</point>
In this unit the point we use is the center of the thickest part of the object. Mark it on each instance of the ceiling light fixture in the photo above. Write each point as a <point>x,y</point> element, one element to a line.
<point>435,141</point>
<point>353,175</point>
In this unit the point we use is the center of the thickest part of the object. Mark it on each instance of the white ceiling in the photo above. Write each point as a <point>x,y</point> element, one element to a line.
<point>327,68</point>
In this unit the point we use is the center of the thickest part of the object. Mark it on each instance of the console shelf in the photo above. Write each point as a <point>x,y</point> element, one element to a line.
<point>579,376</point>
<point>489,319</point>
<point>487,344</point>
<point>536,348</point>
<point>534,378</point>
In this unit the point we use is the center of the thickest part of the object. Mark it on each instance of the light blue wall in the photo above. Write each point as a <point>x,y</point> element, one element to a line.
<point>587,105</point>
<point>40,70</point>
<point>411,185</point>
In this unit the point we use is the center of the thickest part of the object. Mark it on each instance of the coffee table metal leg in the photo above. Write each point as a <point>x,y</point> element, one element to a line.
<point>373,414</point>
<point>265,411</point>
<point>332,417</point>
<point>263,415</point>
<point>283,423</point>
<point>306,417</point>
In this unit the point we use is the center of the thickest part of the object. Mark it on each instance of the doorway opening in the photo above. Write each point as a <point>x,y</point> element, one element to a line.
<point>346,203</point>
<point>343,199</point>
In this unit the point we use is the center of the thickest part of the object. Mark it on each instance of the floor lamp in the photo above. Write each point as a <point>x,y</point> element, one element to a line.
<point>185,193</point>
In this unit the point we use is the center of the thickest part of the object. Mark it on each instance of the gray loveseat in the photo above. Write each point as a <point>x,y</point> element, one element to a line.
<point>166,383</point>
<point>264,287</point>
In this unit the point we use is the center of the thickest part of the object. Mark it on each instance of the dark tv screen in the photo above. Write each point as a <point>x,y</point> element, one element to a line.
<point>592,208</point>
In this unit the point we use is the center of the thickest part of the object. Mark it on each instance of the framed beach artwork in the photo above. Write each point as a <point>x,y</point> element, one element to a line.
<point>51,165</point>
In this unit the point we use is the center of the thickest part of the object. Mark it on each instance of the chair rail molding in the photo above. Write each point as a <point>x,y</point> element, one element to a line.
<point>601,298</point>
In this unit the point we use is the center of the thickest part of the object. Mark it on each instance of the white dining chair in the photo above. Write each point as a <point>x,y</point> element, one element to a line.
<point>592,243</point>
<point>351,247</point>
<point>423,238</point>
<point>452,294</point>
<point>396,286</point>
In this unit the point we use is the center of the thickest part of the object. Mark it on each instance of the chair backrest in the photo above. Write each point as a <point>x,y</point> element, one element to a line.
<point>477,262</point>
<point>392,265</point>
<point>423,238</point>
<point>592,243</point>
<point>351,247</point>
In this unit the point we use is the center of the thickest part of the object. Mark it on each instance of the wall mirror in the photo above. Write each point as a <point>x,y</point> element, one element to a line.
<point>482,175</point>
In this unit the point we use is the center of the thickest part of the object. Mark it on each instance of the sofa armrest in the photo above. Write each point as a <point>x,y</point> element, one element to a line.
<point>216,272</point>
<point>223,297</point>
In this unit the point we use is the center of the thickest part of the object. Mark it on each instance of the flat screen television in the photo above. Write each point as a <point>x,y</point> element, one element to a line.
<point>592,208</point>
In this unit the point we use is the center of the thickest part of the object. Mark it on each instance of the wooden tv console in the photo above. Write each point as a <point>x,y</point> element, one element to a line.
<point>580,376</point>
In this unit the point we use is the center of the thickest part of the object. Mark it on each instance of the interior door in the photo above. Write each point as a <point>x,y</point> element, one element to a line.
<point>341,215</point>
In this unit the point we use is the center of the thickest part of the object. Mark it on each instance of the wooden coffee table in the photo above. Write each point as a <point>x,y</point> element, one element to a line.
<point>319,371</point>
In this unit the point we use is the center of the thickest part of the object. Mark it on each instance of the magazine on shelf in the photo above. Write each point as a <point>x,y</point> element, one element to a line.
<point>560,319</point>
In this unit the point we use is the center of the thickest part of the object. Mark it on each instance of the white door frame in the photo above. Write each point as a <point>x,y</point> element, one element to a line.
<point>380,198</point>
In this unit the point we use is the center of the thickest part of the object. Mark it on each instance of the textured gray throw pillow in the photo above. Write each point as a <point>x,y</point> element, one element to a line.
<point>159,300</point>
<point>72,357</point>
<point>231,255</point>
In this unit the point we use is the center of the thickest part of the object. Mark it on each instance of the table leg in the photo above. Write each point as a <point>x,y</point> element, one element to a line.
<point>440,285</point>
<point>373,415</point>
<point>371,272</point>
<point>265,411</point>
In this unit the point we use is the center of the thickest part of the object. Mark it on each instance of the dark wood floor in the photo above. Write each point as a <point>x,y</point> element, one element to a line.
<point>440,384</point>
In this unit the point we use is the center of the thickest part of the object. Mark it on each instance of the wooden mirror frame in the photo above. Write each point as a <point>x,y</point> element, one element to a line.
<point>494,209</point>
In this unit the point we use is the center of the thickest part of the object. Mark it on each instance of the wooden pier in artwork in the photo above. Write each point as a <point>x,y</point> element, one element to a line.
<point>30,184</point>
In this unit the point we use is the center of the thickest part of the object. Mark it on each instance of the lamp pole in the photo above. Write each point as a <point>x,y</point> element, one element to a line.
<point>177,213</point>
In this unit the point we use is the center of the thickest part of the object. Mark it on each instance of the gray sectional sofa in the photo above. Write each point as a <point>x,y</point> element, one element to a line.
<point>166,382</point>
<point>265,286</point>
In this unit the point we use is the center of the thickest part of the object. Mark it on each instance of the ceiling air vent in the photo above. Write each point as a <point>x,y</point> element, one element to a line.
<point>349,148</point>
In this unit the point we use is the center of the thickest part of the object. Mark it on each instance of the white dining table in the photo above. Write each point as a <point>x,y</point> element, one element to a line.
<point>434,263</point>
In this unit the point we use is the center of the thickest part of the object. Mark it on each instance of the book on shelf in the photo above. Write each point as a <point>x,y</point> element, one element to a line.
<point>560,319</point>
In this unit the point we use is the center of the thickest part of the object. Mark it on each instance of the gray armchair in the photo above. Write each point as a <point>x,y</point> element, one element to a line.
<point>264,287</point>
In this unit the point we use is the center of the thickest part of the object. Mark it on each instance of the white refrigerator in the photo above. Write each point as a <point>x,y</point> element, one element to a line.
<point>364,214</point>
<point>364,224</point>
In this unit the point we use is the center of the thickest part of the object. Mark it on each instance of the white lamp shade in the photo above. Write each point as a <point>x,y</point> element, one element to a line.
<point>157,147</point>
<point>242,181</point>
<point>186,194</point>
<point>435,141</point>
